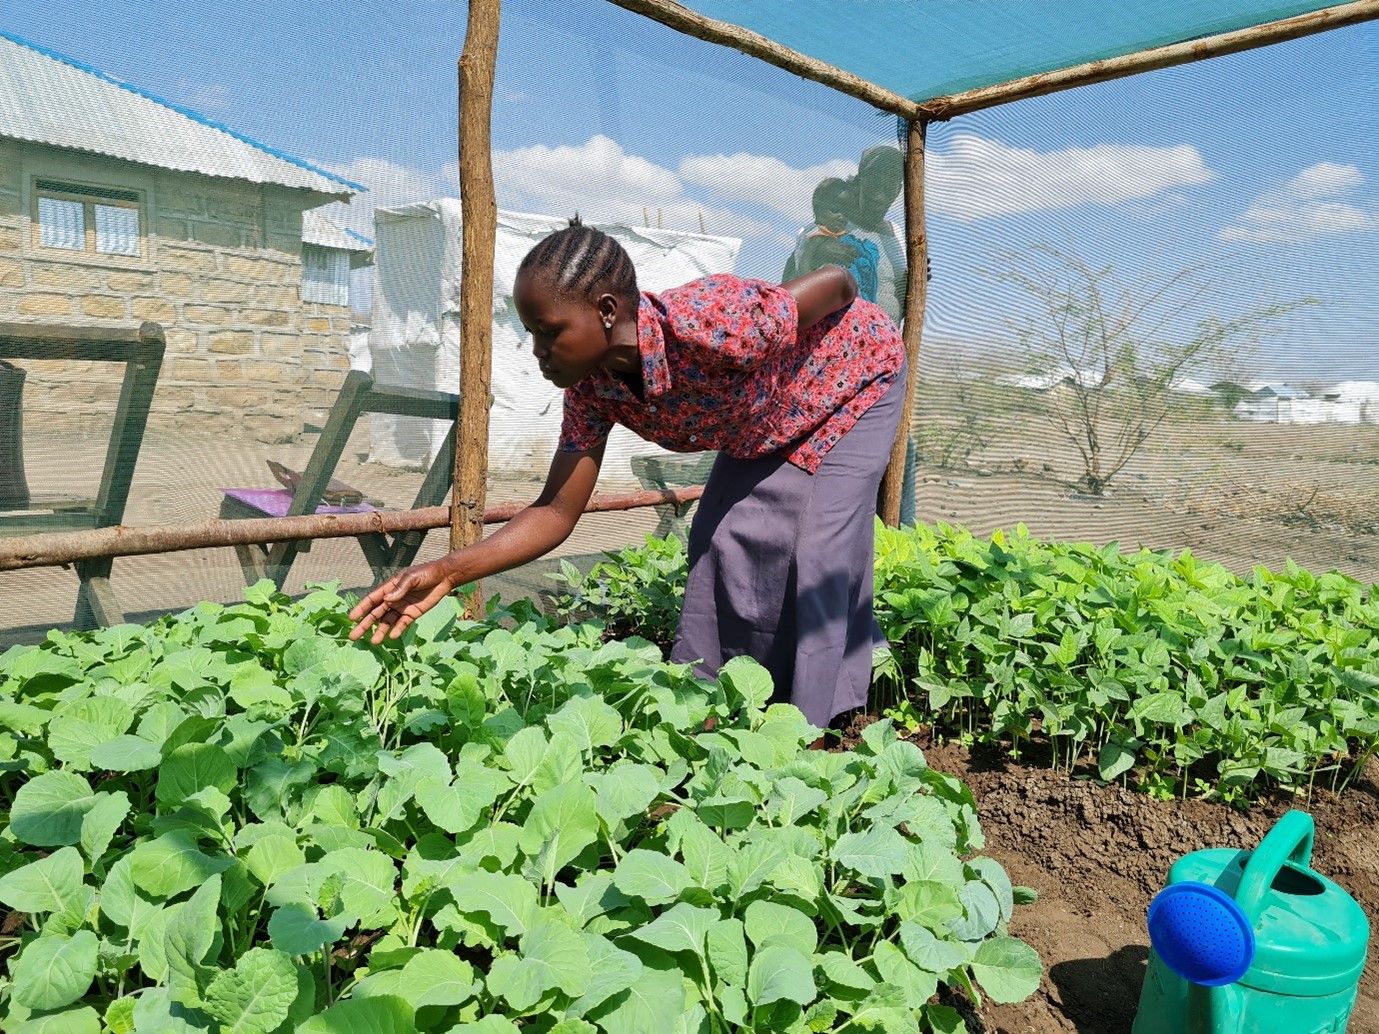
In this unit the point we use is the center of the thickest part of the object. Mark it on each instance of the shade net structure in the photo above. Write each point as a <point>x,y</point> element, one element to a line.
<point>941,47</point>
<point>1151,317</point>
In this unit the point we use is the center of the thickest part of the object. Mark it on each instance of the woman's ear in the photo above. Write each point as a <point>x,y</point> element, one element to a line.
<point>608,310</point>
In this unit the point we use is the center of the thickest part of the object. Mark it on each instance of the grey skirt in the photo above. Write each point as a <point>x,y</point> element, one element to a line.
<point>780,568</point>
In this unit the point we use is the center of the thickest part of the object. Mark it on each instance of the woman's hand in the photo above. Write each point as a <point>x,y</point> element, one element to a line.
<point>402,599</point>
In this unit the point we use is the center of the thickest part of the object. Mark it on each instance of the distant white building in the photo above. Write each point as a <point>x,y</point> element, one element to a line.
<point>1349,402</point>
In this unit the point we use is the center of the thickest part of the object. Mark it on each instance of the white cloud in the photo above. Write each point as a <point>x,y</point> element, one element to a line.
<point>1311,204</point>
<point>603,183</point>
<point>976,178</point>
<point>204,96</point>
<point>762,179</point>
<point>1324,180</point>
<point>597,179</point>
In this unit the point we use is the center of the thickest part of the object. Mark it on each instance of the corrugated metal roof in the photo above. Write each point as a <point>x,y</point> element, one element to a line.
<point>319,230</point>
<point>47,98</point>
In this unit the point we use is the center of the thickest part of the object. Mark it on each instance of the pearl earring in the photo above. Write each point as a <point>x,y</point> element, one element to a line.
<point>608,324</point>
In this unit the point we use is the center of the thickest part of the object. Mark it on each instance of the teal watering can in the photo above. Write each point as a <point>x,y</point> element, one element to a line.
<point>1253,942</point>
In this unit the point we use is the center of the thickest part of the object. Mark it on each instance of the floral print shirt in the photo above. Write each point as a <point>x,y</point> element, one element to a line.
<point>724,368</point>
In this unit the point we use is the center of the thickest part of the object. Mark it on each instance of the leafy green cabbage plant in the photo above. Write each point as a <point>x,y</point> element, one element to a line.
<point>234,821</point>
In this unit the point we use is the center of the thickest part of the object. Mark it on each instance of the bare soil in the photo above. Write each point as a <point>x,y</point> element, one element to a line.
<point>1097,854</point>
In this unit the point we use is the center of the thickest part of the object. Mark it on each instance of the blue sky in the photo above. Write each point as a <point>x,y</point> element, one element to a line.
<point>1259,167</point>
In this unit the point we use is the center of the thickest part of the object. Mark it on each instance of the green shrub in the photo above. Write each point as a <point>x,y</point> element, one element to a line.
<point>1195,678</point>
<point>1178,673</point>
<point>632,591</point>
<point>233,821</point>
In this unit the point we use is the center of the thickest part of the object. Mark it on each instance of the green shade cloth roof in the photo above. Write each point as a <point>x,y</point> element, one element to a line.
<point>923,49</point>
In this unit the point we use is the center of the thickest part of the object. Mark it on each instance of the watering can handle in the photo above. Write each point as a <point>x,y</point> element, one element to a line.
<point>1289,841</point>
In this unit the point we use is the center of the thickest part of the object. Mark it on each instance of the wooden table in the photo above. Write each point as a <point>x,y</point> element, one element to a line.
<point>141,350</point>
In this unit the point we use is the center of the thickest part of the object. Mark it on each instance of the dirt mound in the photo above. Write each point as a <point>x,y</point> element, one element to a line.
<point>1097,854</point>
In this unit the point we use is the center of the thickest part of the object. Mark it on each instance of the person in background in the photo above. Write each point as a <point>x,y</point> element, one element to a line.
<point>828,242</point>
<point>875,188</point>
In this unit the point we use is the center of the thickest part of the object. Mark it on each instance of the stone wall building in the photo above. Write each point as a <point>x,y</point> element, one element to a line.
<point>117,207</point>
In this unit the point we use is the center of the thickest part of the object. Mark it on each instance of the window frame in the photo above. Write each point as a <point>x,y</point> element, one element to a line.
<point>89,196</point>
<point>335,255</point>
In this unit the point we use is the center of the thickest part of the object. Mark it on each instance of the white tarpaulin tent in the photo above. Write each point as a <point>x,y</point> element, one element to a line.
<point>415,336</point>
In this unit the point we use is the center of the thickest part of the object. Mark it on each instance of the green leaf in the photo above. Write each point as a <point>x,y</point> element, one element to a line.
<point>929,952</point>
<point>845,973</point>
<point>84,1020</point>
<point>55,970</point>
<point>767,921</point>
<point>52,884</point>
<point>611,970</point>
<point>589,721</point>
<point>726,947</point>
<point>384,1014</point>
<point>119,1015</point>
<point>563,822</point>
<point>652,877</point>
<point>779,973</point>
<point>296,929</point>
<point>994,876</point>
<point>751,865</point>
<point>99,825</point>
<point>457,807</point>
<point>982,912</point>
<point>625,791</point>
<point>553,957</point>
<point>706,856</point>
<point>172,864</point>
<point>120,902</point>
<point>126,754</point>
<point>368,886</point>
<point>435,977</point>
<point>894,968</point>
<point>255,996</point>
<point>593,896</point>
<point>510,901</point>
<point>1114,760</point>
<point>878,852</point>
<point>746,682</point>
<point>1007,968</point>
<point>156,1011</point>
<point>273,855</point>
<point>726,812</point>
<point>191,768</point>
<point>653,1003</point>
<point>191,930</point>
<point>76,730</point>
<point>48,809</point>
<point>680,928</point>
<point>491,1024</point>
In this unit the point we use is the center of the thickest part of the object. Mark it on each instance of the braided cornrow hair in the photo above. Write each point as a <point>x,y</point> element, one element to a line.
<point>584,262</point>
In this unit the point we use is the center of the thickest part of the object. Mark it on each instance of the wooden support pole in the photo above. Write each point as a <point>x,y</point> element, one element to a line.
<point>683,20</point>
<point>940,108</point>
<point>916,294</point>
<point>59,549</point>
<point>479,218</point>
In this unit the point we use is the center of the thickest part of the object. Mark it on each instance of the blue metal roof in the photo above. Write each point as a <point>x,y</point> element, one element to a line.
<point>46,97</point>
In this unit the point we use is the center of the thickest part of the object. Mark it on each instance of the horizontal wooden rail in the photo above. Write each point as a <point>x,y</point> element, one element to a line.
<point>63,548</point>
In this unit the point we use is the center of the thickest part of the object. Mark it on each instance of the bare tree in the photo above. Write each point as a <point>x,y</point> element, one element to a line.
<point>1108,355</point>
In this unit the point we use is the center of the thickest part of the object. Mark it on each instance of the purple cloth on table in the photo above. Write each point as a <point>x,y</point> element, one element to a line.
<point>273,502</point>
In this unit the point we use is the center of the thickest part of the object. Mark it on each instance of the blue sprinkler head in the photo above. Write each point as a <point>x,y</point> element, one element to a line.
<point>1200,933</point>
